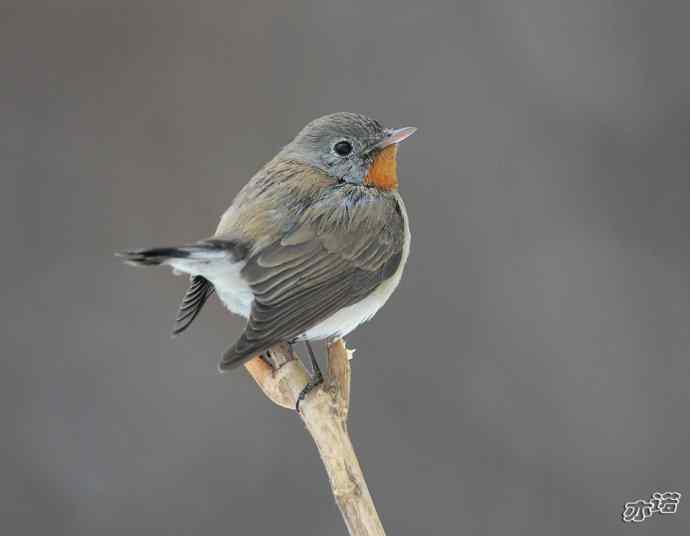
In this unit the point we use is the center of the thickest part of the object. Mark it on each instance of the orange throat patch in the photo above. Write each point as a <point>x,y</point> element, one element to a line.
<point>383,173</point>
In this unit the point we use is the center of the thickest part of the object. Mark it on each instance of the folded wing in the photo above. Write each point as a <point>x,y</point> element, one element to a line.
<point>325,263</point>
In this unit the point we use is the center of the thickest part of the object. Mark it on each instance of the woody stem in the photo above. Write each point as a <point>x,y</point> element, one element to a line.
<point>324,412</point>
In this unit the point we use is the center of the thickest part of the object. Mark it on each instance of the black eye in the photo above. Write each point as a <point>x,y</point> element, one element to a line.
<point>343,148</point>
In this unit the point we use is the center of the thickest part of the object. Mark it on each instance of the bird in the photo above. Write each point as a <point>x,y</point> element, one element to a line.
<point>310,248</point>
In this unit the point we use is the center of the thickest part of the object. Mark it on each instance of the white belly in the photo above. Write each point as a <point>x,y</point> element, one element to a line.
<point>348,318</point>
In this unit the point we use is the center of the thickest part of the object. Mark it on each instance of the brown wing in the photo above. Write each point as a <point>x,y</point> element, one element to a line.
<point>334,257</point>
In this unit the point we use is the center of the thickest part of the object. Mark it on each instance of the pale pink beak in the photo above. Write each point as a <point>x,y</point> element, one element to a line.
<point>395,135</point>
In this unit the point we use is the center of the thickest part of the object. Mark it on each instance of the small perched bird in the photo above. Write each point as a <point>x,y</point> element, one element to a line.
<point>312,246</point>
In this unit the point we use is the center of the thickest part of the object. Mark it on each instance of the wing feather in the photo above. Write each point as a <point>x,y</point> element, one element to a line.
<point>318,268</point>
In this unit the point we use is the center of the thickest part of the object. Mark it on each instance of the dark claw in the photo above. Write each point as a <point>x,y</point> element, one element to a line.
<point>314,382</point>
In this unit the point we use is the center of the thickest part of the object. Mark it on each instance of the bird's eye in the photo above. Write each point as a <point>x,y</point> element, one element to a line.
<point>342,148</point>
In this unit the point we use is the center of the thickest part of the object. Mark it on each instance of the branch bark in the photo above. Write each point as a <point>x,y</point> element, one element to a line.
<point>324,412</point>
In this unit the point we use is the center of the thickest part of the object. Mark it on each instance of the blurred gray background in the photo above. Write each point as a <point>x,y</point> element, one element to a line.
<point>530,375</point>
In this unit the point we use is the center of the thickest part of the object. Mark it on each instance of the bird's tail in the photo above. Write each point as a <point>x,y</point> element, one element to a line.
<point>157,256</point>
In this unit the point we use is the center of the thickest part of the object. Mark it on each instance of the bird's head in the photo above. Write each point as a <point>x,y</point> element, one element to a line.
<point>350,148</point>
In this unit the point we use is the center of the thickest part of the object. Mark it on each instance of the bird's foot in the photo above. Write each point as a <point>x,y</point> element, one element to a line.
<point>315,381</point>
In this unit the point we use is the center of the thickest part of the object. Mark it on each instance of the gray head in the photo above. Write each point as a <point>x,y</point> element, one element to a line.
<point>344,145</point>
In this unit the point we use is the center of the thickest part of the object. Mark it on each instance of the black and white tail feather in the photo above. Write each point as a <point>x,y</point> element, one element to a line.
<point>203,251</point>
<point>207,257</point>
<point>200,289</point>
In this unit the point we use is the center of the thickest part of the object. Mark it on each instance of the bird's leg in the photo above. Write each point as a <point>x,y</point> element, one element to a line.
<point>315,370</point>
<point>316,378</point>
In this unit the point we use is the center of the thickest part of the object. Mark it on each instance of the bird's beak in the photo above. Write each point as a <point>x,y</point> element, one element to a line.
<point>394,136</point>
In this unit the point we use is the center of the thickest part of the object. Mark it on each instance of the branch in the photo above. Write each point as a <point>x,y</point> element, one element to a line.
<point>324,412</point>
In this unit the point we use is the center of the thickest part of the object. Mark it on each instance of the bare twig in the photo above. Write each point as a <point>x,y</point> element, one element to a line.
<point>324,412</point>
